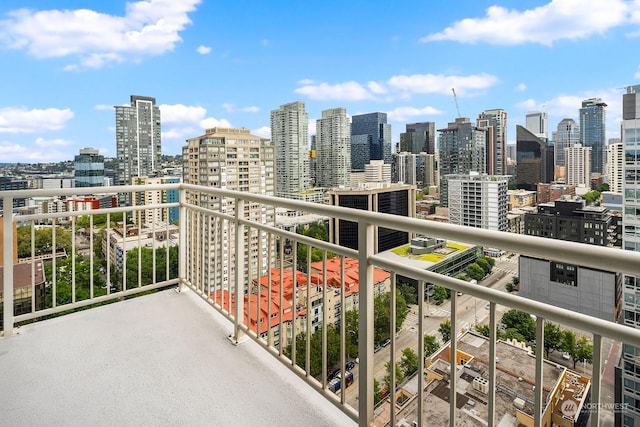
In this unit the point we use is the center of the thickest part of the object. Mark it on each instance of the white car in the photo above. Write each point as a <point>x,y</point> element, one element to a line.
<point>566,356</point>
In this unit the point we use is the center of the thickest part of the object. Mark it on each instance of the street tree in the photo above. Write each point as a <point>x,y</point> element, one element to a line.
<point>409,362</point>
<point>441,293</point>
<point>484,264</point>
<point>521,322</point>
<point>409,293</point>
<point>315,357</point>
<point>569,345</point>
<point>475,271</point>
<point>552,338</point>
<point>445,330</point>
<point>431,345</point>
<point>387,378</point>
<point>584,351</point>
<point>382,315</point>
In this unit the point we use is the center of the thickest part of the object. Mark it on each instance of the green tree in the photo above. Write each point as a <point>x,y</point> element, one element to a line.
<point>409,293</point>
<point>484,330</point>
<point>382,315</point>
<point>569,345</point>
<point>376,392</point>
<point>146,272</point>
<point>484,265</point>
<point>445,330</point>
<point>521,322</point>
<point>351,328</point>
<point>387,378</point>
<point>43,238</point>
<point>431,345</point>
<point>315,356</point>
<point>65,281</point>
<point>409,362</point>
<point>475,271</point>
<point>552,338</point>
<point>441,293</point>
<point>584,350</point>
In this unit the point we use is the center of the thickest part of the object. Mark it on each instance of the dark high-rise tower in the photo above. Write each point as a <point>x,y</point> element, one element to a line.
<point>592,131</point>
<point>370,139</point>
<point>419,138</point>
<point>534,160</point>
<point>462,150</point>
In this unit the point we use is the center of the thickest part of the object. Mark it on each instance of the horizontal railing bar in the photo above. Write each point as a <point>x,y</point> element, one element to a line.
<point>65,214</point>
<point>84,191</point>
<point>94,300</point>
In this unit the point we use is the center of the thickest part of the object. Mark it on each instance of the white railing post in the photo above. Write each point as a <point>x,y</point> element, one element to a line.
<point>239,266</point>
<point>596,377</point>
<point>365,324</point>
<point>539,387</point>
<point>7,261</point>
<point>182,240</point>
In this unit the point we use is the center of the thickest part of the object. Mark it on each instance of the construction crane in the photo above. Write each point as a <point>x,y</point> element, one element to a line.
<point>455,98</point>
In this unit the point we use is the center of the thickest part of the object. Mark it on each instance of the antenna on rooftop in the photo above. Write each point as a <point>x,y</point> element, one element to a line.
<point>455,98</point>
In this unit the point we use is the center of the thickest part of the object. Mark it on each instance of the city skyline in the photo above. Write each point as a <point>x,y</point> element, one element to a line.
<point>69,67</point>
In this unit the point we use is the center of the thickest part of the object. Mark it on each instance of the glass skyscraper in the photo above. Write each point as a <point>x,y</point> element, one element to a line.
<point>592,131</point>
<point>370,139</point>
<point>88,168</point>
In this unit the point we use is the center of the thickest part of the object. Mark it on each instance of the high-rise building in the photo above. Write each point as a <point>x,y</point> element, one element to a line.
<point>615,165</point>
<point>148,217</point>
<point>395,199</point>
<point>462,150</point>
<point>416,169</point>
<point>419,138</point>
<point>578,160</point>
<point>370,139</point>
<point>495,122</point>
<point>537,123</point>
<point>138,142</point>
<point>479,200</point>
<point>592,131</point>
<point>290,139</point>
<point>570,286</point>
<point>230,159</point>
<point>627,381</point>
<point>535,160</point>
<point>88,168</point>
<point>333,142</point>
<point>377,171</point>
<point>567,135</point>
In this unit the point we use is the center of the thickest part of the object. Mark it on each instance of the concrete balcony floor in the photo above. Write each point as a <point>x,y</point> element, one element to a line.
<point>159,360</point>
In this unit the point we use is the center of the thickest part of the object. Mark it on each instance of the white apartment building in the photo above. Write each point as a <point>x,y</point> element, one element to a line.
<point>578,165</point>
<point>615,165</point>
<point>479,201</point>
<point>333,142</point>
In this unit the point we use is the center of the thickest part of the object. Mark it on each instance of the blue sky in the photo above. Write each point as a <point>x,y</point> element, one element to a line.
<point>66,63</point>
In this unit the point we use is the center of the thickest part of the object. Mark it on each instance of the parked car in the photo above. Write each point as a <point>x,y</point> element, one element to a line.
<point>377,348</point>
<point>349,365</point>
<point>334,374</point>
<point>566,356</point>
<point>386,342</point>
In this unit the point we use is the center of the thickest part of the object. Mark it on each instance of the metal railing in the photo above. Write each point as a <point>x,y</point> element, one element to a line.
<point>283,289</point>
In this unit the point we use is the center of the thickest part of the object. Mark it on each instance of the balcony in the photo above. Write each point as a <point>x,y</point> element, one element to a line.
<point>209,338</point>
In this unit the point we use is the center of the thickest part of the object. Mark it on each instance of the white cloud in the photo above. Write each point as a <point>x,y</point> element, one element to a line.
<point>251,109</point>
<point>103,107</point>
<point>148,27</point>
<point>637,74</point>
<point>179,113</point>
<point>211,122</point>
<point>22,120</point>
<point>180,133</point>
<point>229,108</point>
<point>402,114</point>
<point>21,153</point>
<point>203,50</point>
<point>264,132</point>
<point>557,20</point>
<point>305,82</point>
<point>348,91</point>
<point>377,88</point>
<point>521,87</point>
<point>57,142</point>
<point>442,84</point>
